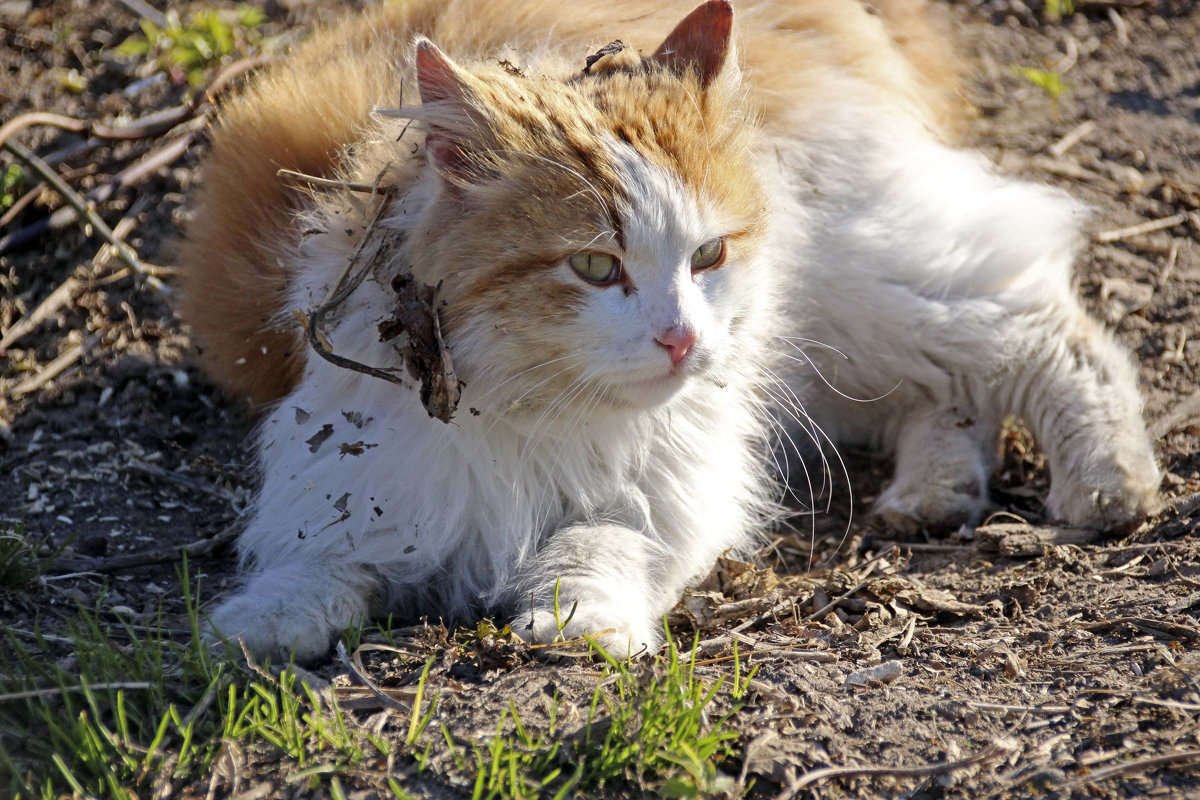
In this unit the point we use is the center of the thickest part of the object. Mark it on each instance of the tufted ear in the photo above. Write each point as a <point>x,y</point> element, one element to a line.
<point>438,78</point>
<point>447,142</point>
<point>699,43</point>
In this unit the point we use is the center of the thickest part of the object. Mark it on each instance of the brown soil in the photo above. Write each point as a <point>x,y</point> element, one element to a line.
<point>1064,662</point>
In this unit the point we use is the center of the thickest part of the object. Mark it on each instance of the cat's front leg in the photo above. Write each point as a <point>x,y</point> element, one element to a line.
<point>943,459</point>
<point>606,585</point>
<point>296,609</point>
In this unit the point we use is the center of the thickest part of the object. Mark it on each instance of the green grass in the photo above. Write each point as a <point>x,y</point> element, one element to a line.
<point>647,727</point>
<point>132,710</point>
<point>1048,81</point>
<point>19,561</point>
<point>190,49</point>
<point>101,721</point>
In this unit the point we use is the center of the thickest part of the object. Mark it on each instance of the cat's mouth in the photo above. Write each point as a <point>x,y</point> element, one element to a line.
<point>652,390</point>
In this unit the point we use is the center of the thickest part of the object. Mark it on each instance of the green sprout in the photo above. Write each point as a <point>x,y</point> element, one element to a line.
<point>12,182</point>
<point>188,51</point>
<point>1047,80</point>
<point>1055,10</point>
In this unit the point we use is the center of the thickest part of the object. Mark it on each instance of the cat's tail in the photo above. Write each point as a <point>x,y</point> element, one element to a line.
<point>923,34</point>
<point>236,275</point>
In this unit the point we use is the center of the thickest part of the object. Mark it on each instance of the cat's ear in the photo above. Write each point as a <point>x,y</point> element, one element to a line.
<point>440,82</point>
<point>700,43</point>
<point>438,78</point>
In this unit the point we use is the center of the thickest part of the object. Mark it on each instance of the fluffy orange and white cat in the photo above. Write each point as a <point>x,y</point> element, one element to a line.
<point>635,247</point>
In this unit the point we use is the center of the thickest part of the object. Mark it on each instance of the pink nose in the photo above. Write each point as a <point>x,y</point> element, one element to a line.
<point>677,342</point>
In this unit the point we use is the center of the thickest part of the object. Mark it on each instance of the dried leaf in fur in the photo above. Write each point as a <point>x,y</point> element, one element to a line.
<point>424,351</point>
<point>619,53</point>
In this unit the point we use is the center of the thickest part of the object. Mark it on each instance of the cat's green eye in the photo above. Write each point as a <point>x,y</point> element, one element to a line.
<point>709,255</point>
<point>596,267</point>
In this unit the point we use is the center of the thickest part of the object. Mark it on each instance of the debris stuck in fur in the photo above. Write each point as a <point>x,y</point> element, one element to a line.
<point>610,49</point>
<point>424,351</point>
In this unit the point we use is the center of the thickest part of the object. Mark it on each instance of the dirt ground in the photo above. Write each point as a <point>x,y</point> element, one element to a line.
<point>1050,662</point>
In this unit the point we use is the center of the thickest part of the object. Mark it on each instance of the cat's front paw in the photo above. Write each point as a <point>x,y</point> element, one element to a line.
<point>291,613</point>
<point>611,628</point>
<point>1105,476</point>
<point>277,630</point>
<point>597,577</point>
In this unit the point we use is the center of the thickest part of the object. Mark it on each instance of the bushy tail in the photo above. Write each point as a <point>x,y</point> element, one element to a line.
<point>923,34</point>
<point>300,117</point>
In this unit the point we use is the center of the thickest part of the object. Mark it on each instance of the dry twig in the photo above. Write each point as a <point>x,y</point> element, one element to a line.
<point>1157,627</point>
<point>163,555</point>
<point>342,289</point>
<point>1017,540</point>
<point>356,669</point>
<point>788,602</point>
<point>1146,227</point>
<point>154,160</point>
<point>188,116</point>
<point>824,610</point>
<point>57,690</point>
<point>147,127</point>
<point>26,324</point>
<point>162,124</point>
<point>1185,411</point>
<point>55,367</point>
<point>1136,765</point>
<point>1072,138</point>
<point>329,183</point>
<point>1013,709</point>
<point>16,208</point>
<point>813,776</point>
<point>143,9</point>
<point>85,210</point>
<point>65,292</point>
<point>425,353</point>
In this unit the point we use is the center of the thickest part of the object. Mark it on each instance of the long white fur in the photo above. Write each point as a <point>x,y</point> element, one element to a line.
<point>652,476</point>
<point>946,285</point>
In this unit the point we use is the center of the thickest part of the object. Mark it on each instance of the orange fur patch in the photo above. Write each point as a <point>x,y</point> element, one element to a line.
<point>306,114</point>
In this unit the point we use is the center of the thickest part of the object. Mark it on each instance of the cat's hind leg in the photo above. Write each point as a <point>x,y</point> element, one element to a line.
<point>954,283</point>
<point>944,457</point>
<point>1078,393</point>
<point>1075,388</point>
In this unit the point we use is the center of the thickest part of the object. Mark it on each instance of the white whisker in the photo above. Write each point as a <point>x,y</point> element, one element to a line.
<point>817,371</point>
<point>790,404</point>
<point>492,390</point>
<point>816,342</point>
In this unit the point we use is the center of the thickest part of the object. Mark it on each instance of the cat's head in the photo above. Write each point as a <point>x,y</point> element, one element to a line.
<point>598,237</point>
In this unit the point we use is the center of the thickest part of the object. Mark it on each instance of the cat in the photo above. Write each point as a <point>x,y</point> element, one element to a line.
<point>643,257</point>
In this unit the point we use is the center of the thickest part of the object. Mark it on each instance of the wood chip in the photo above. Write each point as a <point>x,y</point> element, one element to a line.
<point>1016,540</point>
<point>884,673</point>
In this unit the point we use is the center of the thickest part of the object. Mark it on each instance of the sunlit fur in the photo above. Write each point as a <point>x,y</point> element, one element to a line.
<point>582,461</point>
